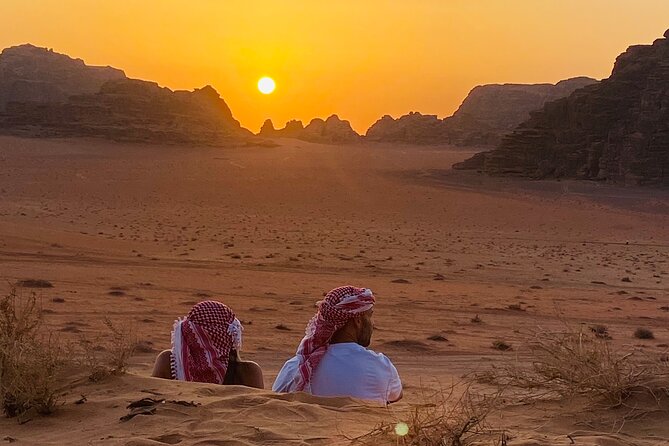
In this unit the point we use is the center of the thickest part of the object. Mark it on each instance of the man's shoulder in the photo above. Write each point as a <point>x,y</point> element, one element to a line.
<point>363,353</point>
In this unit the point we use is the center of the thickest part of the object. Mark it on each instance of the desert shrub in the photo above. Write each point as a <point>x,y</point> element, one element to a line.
<point>600,331</point>
<point>575,362</point>
<point>31,379</point>
<point>643,333</point>
<point>452,417</point>
<point>120,347</point>
<point>107,354</point>
<point>29,362</point>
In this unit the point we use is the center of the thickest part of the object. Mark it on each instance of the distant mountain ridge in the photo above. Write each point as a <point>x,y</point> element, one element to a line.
<point>485,116</point>
<point>43,93</point>
<point>333,130</point>
<point>616,130</point>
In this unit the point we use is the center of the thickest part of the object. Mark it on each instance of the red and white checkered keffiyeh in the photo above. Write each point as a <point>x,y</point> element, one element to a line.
<point>201,343</point>
<point>334,311</point>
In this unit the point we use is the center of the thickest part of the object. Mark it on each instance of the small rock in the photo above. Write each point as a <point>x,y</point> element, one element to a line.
<point>437,337</point>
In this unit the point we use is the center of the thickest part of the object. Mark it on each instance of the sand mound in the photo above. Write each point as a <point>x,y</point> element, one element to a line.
<point>193,413</point>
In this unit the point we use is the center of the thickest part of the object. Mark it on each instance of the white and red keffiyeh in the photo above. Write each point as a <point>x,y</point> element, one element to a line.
<point>201,343</point>
<point>334,311</point>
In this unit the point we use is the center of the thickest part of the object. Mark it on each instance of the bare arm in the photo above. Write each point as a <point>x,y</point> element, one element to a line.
<point>252,375</point>
<point>163,367</point>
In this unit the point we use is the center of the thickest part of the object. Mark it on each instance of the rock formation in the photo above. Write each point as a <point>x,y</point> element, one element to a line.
<point>616,130</point>
<point>330,131</point>
<point>413,128</point>
<point>32,74</point>
<point>293,129</point>
<point>491,111</point>
<point>487,113</point>
<point>333,130</point>
<point>49,94</point>
<point>267,129</point>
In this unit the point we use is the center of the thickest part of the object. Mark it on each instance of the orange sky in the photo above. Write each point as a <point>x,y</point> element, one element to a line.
<point>360,59</point>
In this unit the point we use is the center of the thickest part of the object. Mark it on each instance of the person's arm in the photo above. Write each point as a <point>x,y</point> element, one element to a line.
<point>163,367</point>
<point>395,392</point>
<point>399,397</point>
<point>252,375</point>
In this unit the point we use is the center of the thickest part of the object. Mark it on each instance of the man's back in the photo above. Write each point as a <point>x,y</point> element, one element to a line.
<point>348,369</point>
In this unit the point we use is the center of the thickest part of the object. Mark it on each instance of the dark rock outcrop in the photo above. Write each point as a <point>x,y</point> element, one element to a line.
<point>74,100</point>
<point>333,130</point>
<point>267,129</point>
<point>491,111</point>
<point>32,74</point>
<point>330,131</point>
<point>616,130</point>
<point>293,129</point>
<point>487,113</point>
<point>413,128</point>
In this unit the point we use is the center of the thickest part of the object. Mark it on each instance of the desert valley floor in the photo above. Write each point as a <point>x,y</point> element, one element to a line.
<point>140,233</point>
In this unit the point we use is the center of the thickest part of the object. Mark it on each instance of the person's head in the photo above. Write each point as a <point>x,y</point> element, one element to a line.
<point>346,309</point>
<point>204,341</point>
<point>358,329</point>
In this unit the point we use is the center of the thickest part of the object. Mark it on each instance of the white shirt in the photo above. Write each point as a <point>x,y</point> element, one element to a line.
<point>348,369</point>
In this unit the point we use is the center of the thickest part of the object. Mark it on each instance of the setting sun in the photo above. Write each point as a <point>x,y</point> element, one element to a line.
<point>266,85</point>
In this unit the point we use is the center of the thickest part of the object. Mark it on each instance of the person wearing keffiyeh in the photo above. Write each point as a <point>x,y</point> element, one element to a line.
<point>333,359</point>
<point>205,348</point>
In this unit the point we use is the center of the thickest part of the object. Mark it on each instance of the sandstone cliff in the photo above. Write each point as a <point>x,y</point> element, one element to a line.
<point>616,130</point>
<point>64,97</point>
<point>28,73</point>
<point>487,113</point>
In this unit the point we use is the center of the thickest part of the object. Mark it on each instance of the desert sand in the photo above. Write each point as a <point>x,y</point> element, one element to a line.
<point>140,233</point>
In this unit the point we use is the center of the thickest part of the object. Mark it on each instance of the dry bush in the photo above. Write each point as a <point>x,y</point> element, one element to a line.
<point>643,333</point>
<point>600,331</point>
<point>120,347</point>
<point>108,354</point>
<point>31,379</point>
<point>450,417</point>
<point>29,363</point>
<point>576,362</point>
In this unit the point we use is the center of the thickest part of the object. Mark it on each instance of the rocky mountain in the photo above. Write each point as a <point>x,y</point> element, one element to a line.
<point>487,113</point>
<point>616,130</point>
<point>330,131</point>
<point>43,93</point>
<point>32,74</point>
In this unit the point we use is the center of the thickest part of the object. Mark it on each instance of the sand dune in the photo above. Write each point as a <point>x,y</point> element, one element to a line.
<point>141,233</point>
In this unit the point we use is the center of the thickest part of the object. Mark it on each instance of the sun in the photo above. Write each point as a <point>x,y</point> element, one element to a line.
<point>266,85</point>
